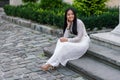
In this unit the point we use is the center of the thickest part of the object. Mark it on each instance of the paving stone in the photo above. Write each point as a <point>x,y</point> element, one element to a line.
<point>5,68</point>
<point>59,76</point>
<point>41,72</point>
<point>6,60</point>
<point>1,78</point>
<point>35,76</point>
<point>55,72</point>
<point>32,67</point>
<point>30,57</point>
<point>8,74</point>
<point>79,78</point>
<point>21,71</point>
<point>51,78</point>
<point>67,78</point>
<point>24,62</point>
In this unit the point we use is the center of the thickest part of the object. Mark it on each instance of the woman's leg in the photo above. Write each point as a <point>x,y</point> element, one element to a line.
<point>53,61</point>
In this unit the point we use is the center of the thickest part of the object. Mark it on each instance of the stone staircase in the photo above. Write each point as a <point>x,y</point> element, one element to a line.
<point>102,60</point>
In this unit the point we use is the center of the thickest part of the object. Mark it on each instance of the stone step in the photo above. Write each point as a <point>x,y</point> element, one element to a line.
<point>90,66</point>
<point>95,69</point>
<point>105,54</point>
<point>108,39</point>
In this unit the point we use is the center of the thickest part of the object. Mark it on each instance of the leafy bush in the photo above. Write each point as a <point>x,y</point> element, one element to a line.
<point>10,10</point>
<point>48,4</point>
<point>90,7</point>
<point>108,20</point>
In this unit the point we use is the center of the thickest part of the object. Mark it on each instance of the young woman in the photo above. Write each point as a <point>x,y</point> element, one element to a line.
<point>68,47</point>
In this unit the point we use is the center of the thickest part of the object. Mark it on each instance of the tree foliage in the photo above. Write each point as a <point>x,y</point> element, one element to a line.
<point>48,4</point>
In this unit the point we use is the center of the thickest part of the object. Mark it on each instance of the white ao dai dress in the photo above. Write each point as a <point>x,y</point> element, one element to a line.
<point>73,49</point>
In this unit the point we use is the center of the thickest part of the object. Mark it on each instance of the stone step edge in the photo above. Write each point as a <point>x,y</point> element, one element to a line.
<point>32,25</point>
<point>105,43</point>
<point>74,65</point>
<point>103,39</point>
<point>105,56</point>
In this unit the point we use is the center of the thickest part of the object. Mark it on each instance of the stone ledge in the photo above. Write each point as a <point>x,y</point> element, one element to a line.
<point>105,54</point>
<point>95,69</point>
<point>32,25</point>
<point>107,39</point>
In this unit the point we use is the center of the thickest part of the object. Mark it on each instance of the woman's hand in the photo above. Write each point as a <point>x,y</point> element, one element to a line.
<point>68,24</point>
<point>63,39</point>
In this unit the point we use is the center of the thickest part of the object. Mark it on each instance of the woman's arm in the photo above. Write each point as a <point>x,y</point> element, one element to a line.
<point>80,31</point>
<point>65,36</point>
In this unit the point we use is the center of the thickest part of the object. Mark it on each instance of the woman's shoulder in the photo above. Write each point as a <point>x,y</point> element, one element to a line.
<point>79,21</point>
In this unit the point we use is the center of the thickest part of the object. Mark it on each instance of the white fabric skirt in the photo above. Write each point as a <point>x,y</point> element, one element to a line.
<point>66,51</point>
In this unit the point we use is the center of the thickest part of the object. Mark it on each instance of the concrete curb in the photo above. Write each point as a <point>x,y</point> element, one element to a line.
<point>32,25</point>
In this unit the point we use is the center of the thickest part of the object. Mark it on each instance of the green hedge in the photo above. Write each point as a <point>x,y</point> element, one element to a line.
<point>48,4</point>
<point>55,16</point>
<point>105,20</point>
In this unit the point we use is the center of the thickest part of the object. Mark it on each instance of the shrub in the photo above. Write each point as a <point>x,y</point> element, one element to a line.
<point>108,20</point>
<point>89,7</point>
<point>50,17</point>
<point>48,4</point>
<point>10,10</point>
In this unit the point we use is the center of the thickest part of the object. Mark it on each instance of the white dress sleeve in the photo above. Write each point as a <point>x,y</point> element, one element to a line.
<point>80,30</point>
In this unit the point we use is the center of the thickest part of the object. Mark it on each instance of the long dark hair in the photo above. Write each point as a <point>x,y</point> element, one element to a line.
<point>74,28</point>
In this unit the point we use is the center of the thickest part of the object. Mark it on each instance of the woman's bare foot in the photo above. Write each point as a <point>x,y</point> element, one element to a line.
<point>46,67</point>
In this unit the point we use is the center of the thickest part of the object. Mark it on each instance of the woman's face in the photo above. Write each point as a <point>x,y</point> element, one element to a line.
<point>70,16</point>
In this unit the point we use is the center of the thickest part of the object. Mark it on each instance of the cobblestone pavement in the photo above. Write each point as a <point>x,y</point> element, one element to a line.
<point>21,55</point>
